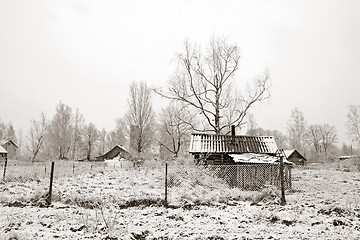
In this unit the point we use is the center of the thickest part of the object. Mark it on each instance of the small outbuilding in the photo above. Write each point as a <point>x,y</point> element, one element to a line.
<point>229,149</point>
<point>294,156</point>
<point>117,151</point>
<point>10,147</point>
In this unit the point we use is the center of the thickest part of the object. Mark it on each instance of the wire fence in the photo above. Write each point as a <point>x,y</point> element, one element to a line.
<point>127,182</point>
<point>246,177</point>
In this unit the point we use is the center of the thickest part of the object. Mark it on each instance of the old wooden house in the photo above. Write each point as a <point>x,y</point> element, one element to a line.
<point>10,147</point>
<point>232,149</point>
<point>117,151</point>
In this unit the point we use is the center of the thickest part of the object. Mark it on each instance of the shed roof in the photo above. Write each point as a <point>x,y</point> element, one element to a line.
<point>289,153</point>
<point>4,141</point>
<point>210,143</point>
<point>2,150</point>
<point>115,151</point>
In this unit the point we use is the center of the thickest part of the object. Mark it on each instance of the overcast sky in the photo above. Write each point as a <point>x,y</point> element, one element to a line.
<point>86,53</point>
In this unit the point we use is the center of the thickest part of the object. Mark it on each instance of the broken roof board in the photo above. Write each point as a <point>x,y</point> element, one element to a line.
<point>206,143</point>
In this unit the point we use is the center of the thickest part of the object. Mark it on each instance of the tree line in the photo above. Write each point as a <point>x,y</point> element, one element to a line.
<point>203,95</point>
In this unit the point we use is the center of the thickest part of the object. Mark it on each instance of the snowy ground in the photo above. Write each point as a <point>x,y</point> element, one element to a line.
<point>127,203</point>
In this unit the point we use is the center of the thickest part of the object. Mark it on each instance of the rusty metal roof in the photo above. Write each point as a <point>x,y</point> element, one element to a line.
<point>209,143</point>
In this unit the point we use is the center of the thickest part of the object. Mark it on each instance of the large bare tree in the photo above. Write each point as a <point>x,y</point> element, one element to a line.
<point>139,119</point>
<point>353,122</point>
<point>36,136</point>
<point>205,82</point>
<point>322,137</point>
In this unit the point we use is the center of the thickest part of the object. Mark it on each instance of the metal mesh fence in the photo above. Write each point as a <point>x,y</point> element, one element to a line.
<point>246,177</point>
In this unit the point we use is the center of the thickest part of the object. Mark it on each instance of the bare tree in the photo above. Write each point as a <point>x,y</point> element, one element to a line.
<point>174,128</point>
<point>353,122</point>
<point>61,131</point>
<point>36,136</point>
<point>140,117</point>
<point>91,134</point>
<point>205,83</point>
<point>315,137</point>
<point>297,134</point>
<point>328,137</point>
<point>322,137</point>
<point>77,134</point>
<point>102,141</point>
<point>117,136</point>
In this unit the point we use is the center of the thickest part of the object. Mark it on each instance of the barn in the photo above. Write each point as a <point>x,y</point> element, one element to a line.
<point>233,149</point>
<point>10,147</point>
<point>117,151</point>
<point>294,156</point>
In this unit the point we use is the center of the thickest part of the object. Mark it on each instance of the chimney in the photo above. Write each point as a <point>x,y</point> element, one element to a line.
<point>233,130</point>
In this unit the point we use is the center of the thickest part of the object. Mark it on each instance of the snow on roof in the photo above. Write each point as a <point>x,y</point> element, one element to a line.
<point>256,158</point>
<point>210,143</point>
<point>2,150</point>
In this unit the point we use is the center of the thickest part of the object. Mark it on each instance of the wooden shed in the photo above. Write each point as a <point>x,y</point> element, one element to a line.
<point>117,151</point>
<point>221,149</point>
<point>10,147</point>
<point>294,156</point>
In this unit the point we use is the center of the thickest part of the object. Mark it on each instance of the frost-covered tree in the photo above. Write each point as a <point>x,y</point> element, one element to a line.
<point>174,129</point>
<point>353,123</point>
<point>61,131</point>
<point>139,119</point>
<point>297,130</point>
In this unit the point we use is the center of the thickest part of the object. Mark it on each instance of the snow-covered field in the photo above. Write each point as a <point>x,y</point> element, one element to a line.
<point>107,202</point>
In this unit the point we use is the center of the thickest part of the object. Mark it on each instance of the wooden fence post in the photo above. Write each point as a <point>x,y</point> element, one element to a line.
<point>48,199</point>
<point>5,165</point>
<point>283,202</point>
<point>166,171</point>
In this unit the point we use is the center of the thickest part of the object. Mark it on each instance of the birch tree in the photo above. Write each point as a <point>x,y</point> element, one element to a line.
<point>205,81</point>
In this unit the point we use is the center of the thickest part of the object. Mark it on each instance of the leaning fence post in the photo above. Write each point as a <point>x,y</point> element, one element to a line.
<point>283,202</point>
<point>5,165</point>
<point>166,171</point>
<point>48,200</point>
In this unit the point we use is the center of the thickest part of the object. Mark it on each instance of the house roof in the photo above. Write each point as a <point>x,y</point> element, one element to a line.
<point>2,150</point>
<point>4,141</point>
<point>209,143</point>
<point>290,152</point>
<point>251,158</point>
